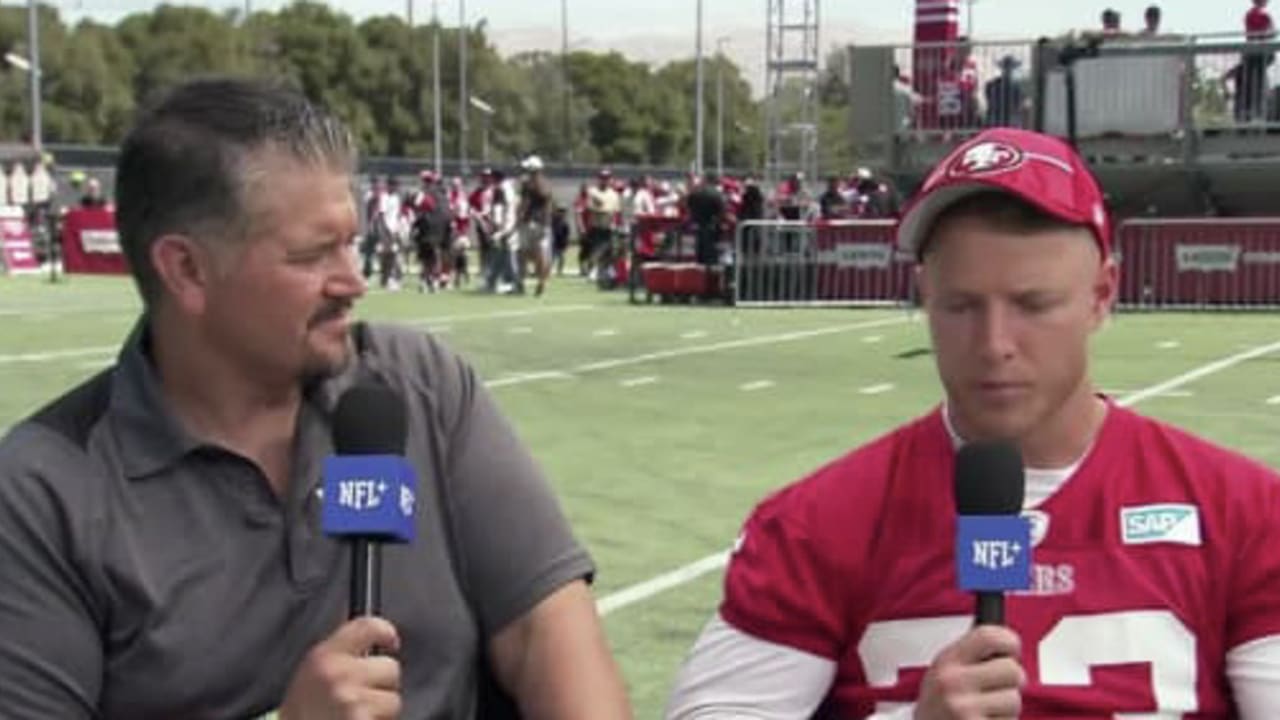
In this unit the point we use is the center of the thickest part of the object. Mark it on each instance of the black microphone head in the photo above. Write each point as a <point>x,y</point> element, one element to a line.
<point>989,479</point>
<point>369,420</point>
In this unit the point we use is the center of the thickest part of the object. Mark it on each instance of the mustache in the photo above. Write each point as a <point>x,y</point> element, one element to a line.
<point>329,312</point>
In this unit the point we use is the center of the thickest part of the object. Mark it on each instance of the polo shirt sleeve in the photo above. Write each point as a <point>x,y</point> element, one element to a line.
<point>50,648</point>
<point>515,544</point>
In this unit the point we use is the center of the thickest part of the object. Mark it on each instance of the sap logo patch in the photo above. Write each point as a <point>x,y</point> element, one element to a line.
<point>1163,523</point>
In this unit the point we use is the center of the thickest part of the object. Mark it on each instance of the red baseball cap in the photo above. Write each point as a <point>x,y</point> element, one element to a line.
<point>1040,169</point>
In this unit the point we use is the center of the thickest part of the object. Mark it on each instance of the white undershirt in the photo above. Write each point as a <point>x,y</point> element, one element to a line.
<point>1042,483</point>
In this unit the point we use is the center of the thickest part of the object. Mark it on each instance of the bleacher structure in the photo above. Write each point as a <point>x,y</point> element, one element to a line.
<point>1173,126</point>
<point>1183,132</point>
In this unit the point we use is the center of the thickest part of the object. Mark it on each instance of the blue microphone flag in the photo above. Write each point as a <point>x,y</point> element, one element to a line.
<point>993,552</point>
<point>368,496</point>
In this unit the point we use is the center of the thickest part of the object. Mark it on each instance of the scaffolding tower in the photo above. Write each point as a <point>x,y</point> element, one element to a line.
<point>791,89</point>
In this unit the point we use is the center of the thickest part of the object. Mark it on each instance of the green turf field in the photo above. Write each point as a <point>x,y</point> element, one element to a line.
<point>661,426</point>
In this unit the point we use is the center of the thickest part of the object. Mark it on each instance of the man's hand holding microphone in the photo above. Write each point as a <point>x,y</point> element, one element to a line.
<point>368,500</point>
<point>980,675</point>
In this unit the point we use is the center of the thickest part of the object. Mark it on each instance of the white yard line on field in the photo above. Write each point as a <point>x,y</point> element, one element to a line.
<point>519,378</point>
<point>638,381</point>
<point>52,310</point>
<point>433,323</point>
<point>1170,393</point>
<point>647,589</point>
<point>688,573</point>
<point>1205,370</point>
<point>736,344</point>
<point>877,389</point>
<point>697,350</point>
<point>59,354</point>
<point>756,385</point>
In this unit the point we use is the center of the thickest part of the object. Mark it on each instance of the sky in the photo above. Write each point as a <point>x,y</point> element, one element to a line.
<point>612,18</point>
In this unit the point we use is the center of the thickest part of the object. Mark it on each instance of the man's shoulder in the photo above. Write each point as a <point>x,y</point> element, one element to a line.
<point>65,421</point>
<point>1176,460</point>
<point>411,359</point>
<point>400,348</point>
<point>46,460</point>
<point>1176,443</point>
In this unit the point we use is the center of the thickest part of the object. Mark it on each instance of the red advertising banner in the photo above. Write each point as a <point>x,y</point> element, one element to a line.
<point>90,243</point>
<point>15,241</point>
<point>1195,263</point>
<point>859,259</point>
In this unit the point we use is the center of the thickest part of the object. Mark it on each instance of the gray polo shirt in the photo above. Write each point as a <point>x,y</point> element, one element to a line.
<point>144,574</point>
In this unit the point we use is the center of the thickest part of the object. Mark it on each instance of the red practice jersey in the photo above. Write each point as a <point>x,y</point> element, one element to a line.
<point>1156,557</point>
<point>1257,23</point>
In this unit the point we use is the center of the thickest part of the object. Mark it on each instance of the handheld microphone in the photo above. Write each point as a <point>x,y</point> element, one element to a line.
<point>368,487</point>
<point>993,542</point>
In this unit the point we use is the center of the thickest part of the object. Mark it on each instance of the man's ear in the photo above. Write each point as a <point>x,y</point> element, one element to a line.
<point>186,269</point>
<point>1106,289</point>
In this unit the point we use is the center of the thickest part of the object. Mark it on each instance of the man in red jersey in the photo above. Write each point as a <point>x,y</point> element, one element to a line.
<point>1155,577</point>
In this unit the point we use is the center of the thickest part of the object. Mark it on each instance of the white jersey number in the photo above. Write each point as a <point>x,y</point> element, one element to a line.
<point>1076,644</point>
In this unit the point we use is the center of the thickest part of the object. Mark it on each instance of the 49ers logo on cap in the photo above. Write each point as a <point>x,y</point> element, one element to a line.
<point>986,158</point>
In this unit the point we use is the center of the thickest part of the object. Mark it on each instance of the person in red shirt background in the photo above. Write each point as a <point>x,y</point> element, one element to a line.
<point>581,225</point>
<point>1257,22</point>
<point>460,245</point>
<point>479,202</point>
<point>1253,83</point>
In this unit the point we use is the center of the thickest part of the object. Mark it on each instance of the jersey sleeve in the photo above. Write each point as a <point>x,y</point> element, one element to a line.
<point>784,583</point>
<point>1253,611</point>
<point>730,675</point>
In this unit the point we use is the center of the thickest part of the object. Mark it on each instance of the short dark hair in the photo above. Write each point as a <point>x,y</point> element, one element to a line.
<point>1153,11</point>
<point>1001,211</point>
<point>183,167</point>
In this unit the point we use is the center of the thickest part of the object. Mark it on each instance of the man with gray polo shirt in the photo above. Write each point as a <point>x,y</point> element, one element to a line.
<point>160,553</point>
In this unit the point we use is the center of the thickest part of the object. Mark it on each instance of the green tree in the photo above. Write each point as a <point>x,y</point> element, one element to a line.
<point>377,75</point>
<point>173,43</point>
<point>530,103</point>
<point>635,121</point>
<point>743,147</point>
